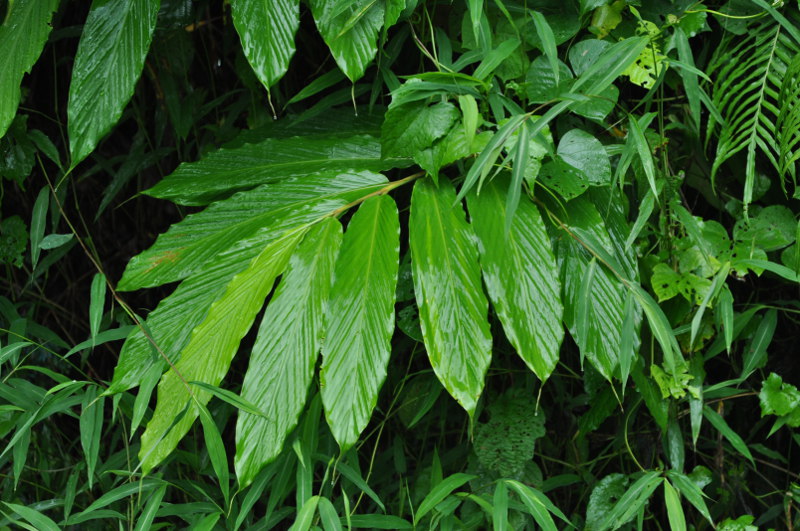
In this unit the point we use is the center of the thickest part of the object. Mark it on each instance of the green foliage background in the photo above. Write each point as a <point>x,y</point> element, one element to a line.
<point>395,264</point>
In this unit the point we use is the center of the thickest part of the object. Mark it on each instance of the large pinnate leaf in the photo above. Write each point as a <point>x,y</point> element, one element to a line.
<point>283,358</point>
<point>188,246</point>
<point>350,29</point>
<point>228,170</point>
<point>267,28</point>
<point>521,275</point>
<point>602,303</point>
<point>22,36</point>
<point>359,319</point>
<point>447,283</point>
<point>211,348</point>
<point>108,63</point>
<point>748,74</point>
<point>267,212</point>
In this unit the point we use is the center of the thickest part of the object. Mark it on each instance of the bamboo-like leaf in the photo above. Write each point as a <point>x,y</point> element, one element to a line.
<point>521,276</point>
<point>548,42</point>
<point>351,33</point>
<point>267,29</point>
<point>22,36</point>
<point>439,492</point>
<point>677,520</point>
<point>91,425</point>
<point>285,353</point>
<point>108,63</point>
<point>452,306</point>
<point>226,171</point>
<point>736,441</point>
<point>604,304</point>
<point>359,319</point>
<point>213,344</point>
<point>630,502</point>
<point>170,325</point>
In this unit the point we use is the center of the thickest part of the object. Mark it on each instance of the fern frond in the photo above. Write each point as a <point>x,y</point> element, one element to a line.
<point>789,121</point>
<point>751,93</point>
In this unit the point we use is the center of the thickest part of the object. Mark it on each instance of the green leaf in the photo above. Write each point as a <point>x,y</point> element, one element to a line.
<point>305,516</point>
<point>245,220</point>
<point>538,504</point>
<point>500,507</point>
<point>447,284</point>
<point>412,127</point>
<point>677,520</point>
<point>216,450</point>
<point>42,522</point>
<point>291,323</point>
<point>278,208</point>
<point>96,303</point>
<point>328,516</point>
<point>736,441</point>
<point>267,30</point>
<point>213,344</point>
<point>781,399</point>
<point>108,63</point>
<point>226,171</point>
<point>438,493</point>
<point>548,41</point>
<point>692,492</point>
<point>91,425</point>
<point>630,503</point>
<point>53,241</point>
<point>350,32</point>
<point>116,494</point>
<point>145,520</point>
<point>583,151</point>
<point>543,85</point>
<point>359,319</point>
<point>521,276</point>
<point>605,495</point>
<point>378,521</point>
<point>23,34</point>
<point>639,141</point>
<point>604,304</point>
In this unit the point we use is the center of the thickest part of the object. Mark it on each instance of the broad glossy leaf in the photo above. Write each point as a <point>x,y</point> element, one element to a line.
<point>413,127</point>
<point>176,316</point>
<point>351,32</point>
<point>22,36</point>
<point>108,63</point>
<point>267,28</point>
<point>229,170</point>
<point>213,344</point>
<point>187,246</point>
<point>599,341</point>
<point>359,319</point>
<point>584,152</point>
<point>285,353</point>
<point>447,283</point>
<point>521,275</point>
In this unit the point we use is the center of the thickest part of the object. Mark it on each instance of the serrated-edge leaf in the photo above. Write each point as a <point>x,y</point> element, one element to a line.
<point>277,382</point>
<point>211,348</point>
<point>447,284</point>
<point>359,319</point>
<point>266,29</point>
<point>108,63</point>
<point>23,34</point>
<point>521,276</point>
